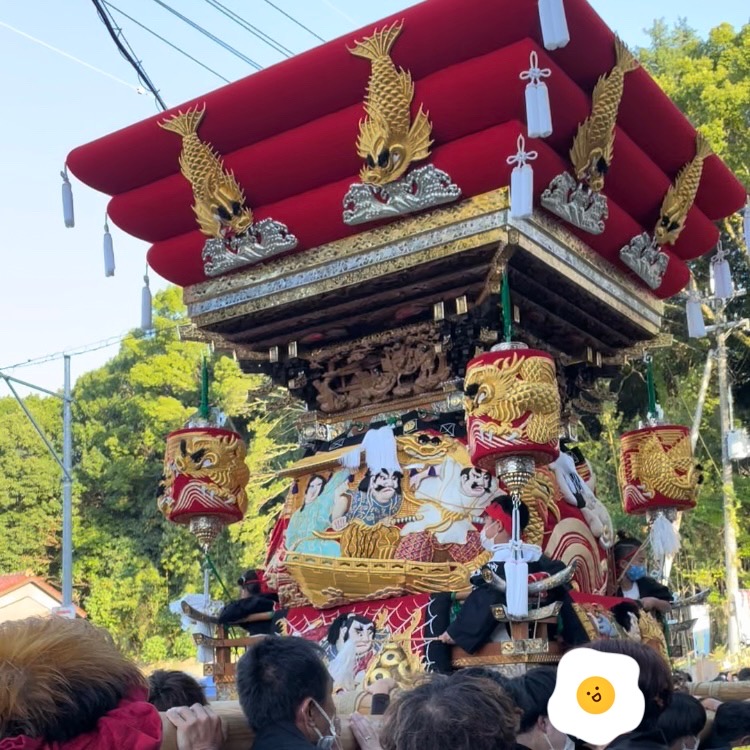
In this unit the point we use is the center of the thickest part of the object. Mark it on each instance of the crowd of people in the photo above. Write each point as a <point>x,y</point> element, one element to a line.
<point>65,686</point>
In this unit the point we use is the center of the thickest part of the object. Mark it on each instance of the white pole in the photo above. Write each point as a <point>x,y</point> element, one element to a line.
<point>67,520</point>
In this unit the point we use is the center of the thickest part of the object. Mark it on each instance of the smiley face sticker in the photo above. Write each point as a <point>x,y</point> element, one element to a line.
<point>596,696</point>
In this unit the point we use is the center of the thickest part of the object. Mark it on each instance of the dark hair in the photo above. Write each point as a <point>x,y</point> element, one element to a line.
<point>685,717</point>
<point>486,476</point>
<point>170,689</point>
<point>654,680</point>
<point>744,674</point>
<point>451,713</point>
<point>506,503</point>
<point>731,723</point>
<point>625,545</point>
<point>323,482</point>
<point>345,621</point>
<point>364,485</point>
<point>250,581</point>
<point>275,676</point>
<point>486,673</point>
<point>531,692</point>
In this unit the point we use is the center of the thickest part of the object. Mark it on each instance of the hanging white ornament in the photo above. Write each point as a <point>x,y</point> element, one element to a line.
<point>554,23</point>
<point>695,323</point>
<point>147,321</point>
<point>67,200</point>
<point>538,113</point>
<point>109,251</point>
<point>721,274</point>
<point>522,181</point>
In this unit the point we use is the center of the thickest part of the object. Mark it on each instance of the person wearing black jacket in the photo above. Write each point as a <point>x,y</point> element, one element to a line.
<point>251,602</point>
<point>632,580</point>
<point>475,623</point>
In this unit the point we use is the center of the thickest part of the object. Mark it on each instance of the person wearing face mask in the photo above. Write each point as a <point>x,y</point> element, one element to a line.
<point>682,722</point>
<point>286,694</point>
<point>475,623</point>
<point>531,693</point>
<point>633,581</point>
<point>731,727</point>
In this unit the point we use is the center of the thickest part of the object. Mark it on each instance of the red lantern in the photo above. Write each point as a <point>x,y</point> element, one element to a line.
<point>204,480</point>
<point>512,406</point>
<point>657,469</point>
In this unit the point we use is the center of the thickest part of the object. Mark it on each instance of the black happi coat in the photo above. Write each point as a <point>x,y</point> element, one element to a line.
<point>238,610</point>
<point>475,622</point>
<point>648,586</point>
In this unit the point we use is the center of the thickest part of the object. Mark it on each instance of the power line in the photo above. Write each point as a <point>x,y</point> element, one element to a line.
<point>68,56</point>
<point>254,30</point>
<point>208,34</point>
<point>166,41</point>
<point>119,39</point>
<point>293,19</point>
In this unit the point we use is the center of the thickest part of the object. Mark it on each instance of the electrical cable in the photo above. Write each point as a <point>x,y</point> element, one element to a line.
<point>208,34</point>
<point>166,41</point>
<point>67,55</point>
<point>293,19</point>
<point>116,35</point>
<point>254,30</point>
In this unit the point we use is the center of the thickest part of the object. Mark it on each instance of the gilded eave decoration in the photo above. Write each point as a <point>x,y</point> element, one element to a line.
<point>390,142</point>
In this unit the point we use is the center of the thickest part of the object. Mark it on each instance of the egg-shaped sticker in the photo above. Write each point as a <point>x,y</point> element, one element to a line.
<point>596,696</point>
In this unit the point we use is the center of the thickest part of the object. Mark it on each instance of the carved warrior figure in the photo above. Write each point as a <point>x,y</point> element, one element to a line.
<point>388,140</point>
<point>593,147</point>
<point>219,206</point>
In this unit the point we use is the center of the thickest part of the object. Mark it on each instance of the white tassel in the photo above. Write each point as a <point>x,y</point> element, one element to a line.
<point>109,251</point>
<point>695,323</point>
<point>517,588</point>
<point>665,541</point>
<point>554,23</point>
<point>721,273</point>
<point>381,451</point>
<point>352,459</point>
<point>67,200</point>
<point>147,321</point>
<point>746,222</point>
<point>538,113</point>
<point>522,182</point>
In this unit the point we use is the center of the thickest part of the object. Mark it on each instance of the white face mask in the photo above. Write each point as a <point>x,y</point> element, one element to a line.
<point>488,544</point>
<point>695,745</point>
<point>326,741</point>
<point>569,744</point>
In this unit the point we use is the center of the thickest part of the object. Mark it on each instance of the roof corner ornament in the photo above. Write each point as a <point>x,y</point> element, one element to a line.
<point>579,200</point>
<point>390,142</point>
<point>220,207</point>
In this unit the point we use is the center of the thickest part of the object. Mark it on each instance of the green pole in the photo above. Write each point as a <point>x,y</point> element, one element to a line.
<point>507,309</point>
<point>204,410</point>
<point>651,388</point>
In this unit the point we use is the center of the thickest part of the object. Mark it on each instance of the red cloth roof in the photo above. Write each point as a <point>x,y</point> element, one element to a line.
<point>289,133</point>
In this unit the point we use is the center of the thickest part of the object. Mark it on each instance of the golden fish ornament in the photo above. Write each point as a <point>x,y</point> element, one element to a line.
<point>681,196</point>
<point>593,147</point>
<point>388,140</point>
<point>220,206</point>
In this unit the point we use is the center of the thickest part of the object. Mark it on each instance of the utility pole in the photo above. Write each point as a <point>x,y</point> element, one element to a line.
<point>67,483</point>
<point>727,488</point>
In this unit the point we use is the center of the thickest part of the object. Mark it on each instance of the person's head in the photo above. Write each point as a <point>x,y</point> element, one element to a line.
<point>475,482</point>
<point>531,693</point>
<point>172,688</point>
<point>451,713</point>
<point>744,674</point>
<point>731,727</point>
<point>682,722</point>
<point>249,583</point>
<point>499,527</point>
<point>382,485</point>
<point>654,679</point>
<point>630,557</point>
<point>681,680</point>
<point>284,680</point>
<point>58,677</point>
<point>315,486</point>
<point>357,628</point>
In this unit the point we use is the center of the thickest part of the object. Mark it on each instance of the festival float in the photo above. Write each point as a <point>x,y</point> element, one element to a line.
<point>443,233</point>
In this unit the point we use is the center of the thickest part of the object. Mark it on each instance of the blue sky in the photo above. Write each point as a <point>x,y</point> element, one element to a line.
<point>54,294</point>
